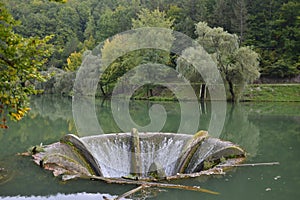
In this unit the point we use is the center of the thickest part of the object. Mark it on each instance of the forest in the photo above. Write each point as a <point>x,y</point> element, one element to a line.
<point>271,27</point>
<point>248,39</point>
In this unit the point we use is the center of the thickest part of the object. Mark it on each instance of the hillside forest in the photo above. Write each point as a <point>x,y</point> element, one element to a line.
<point>270,26</point>
<point>254,39</point>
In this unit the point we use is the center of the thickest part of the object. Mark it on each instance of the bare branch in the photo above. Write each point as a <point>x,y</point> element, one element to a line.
<point>130,192</point>
<point>153,184</point>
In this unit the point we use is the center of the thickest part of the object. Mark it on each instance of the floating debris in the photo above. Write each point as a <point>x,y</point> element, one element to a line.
<point>277,177</point>
<point>268,189</point>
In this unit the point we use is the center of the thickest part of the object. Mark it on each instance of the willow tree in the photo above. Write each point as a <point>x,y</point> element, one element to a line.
<point>20,61</point>
<point>237,65</point>
<point>203,60</point>
<point>156,19</point>
<point>118,44</point>
<point>159,38</point>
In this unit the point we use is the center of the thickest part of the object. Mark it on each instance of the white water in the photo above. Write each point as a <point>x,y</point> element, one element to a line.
<point>113,152</point>
<point>209,147</point>
<point>114,155</point>
<point>166,153</point>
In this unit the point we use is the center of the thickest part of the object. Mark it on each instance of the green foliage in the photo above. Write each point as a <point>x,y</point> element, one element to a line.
<point>124,63</point>
<point>74,61</point>
<point>274,31</point>
<point>114,21</point>
<point>271,27</point>
<point>187,13</point>
<point>155,18</point>
<point>196,55</point>
<point>20,62</point>
<point>238,65</point>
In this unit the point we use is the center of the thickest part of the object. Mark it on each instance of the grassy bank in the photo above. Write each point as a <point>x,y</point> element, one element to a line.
<point>272,92</point>
<point>253,92</point>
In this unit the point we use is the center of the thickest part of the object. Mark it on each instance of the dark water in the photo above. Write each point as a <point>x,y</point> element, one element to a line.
<point>268,131</point>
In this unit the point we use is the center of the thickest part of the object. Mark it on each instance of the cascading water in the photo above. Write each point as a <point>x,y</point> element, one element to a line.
<point>137,154</point>
<point>212,149</point>
<point>113,152</point>
<point>165,151</point>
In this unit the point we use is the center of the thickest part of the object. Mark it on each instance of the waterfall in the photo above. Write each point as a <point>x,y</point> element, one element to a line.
<point>156,155</point>
<point>113,152</point>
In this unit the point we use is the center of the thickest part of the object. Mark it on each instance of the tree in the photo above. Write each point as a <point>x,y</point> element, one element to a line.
<point>124,63</point>
<point>203,61</point>
<point>239,21</point>
<point>20,62</point>
<point>273,29</point>
<point>186,14</point>
<point>118,67</point>
<point>114,21</point>
<point>287,42</point>
<point>155,18</point>
<point>222,14</point>
<point>73,61</point>
<point>237,65</point>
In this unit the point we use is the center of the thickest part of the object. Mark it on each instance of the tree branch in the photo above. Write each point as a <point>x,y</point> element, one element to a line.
<point>251,164</point>
<point>152,184</point>
<point>130,192</point>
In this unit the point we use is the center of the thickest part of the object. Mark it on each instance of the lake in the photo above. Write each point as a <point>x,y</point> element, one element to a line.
<point>269,132</point>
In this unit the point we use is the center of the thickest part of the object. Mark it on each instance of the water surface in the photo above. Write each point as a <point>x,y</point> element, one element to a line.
<point>268,131</point>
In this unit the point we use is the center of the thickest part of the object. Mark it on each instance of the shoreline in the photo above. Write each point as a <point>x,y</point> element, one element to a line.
<point>272,93</point>
<point>252,93</point>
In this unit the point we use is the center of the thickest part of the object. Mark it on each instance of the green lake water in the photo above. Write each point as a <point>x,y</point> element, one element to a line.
<point>268,131</point>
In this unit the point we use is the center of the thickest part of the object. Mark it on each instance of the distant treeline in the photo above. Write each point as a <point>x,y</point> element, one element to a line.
<point>271,26</point>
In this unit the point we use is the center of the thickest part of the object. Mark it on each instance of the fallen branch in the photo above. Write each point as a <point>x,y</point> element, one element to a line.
<point>209,172</point>
<point>130,192</point>
<point>153,184</point>
<point>250,164</point>
<point>182,187</point>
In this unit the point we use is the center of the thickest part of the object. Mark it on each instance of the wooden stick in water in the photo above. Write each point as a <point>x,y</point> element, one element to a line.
<point>144,184</point>
<point>130,192</point>
<point>153,184</point>
<point>251,164</point>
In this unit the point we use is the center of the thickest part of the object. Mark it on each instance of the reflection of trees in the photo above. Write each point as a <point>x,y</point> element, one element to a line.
<point>58,110</point>
<point>52,106</point>
<point>139,112</point>
<point>240,130</point>
<point>139,109</point>
<point>33,130</point>
<point>49,119</point>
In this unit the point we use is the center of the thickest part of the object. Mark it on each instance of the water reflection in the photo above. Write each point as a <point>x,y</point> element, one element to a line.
<point>240,130</point>
<point>269,132</point>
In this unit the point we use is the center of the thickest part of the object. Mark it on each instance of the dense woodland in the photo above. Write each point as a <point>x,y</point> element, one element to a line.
<point>271,26</point>
<point>246,38</point>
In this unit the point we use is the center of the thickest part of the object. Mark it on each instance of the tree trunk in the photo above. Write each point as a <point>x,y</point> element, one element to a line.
<point>102,90</point>
<point>231,90</point>
<point>202,92</point>
<point>147,91</point>
<point>151,92</point>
